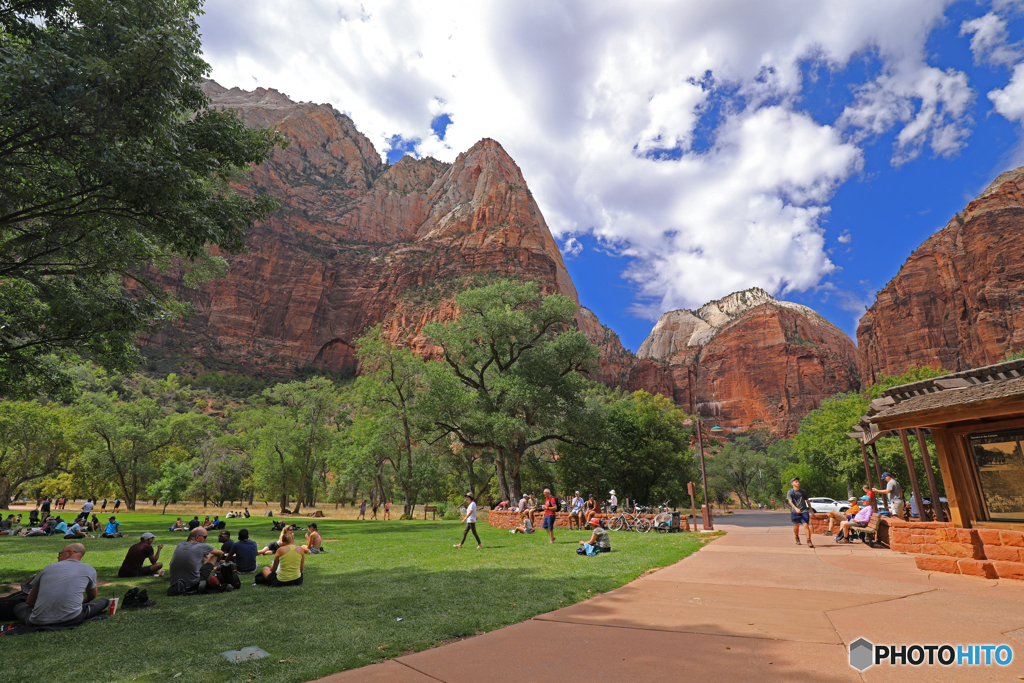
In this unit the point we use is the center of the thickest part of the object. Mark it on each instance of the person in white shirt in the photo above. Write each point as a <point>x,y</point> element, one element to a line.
<point>470,522</point>
<point>613,502</point>
<point>87,508</point>
<point>576,512</point>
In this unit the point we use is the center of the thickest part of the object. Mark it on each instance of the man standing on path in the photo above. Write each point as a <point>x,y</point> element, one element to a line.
<point>893,493</point>
<point>57,592</point>
<point>800,512</point>
<point>550,507</point>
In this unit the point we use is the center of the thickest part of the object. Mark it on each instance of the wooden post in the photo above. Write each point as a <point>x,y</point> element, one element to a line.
<point>940,516</point>
<point>867,471</point>
<point>913,474</point>
<point>692,489</point>
<point>878,469</point>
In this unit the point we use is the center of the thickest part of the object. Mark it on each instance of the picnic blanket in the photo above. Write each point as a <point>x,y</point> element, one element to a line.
<point>18,628</point>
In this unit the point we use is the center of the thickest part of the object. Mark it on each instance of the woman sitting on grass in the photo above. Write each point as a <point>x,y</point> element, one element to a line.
<point>526,527</point>
<point>289,563</point>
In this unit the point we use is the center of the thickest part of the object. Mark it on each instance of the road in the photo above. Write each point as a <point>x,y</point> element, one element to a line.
<point>753,518</point>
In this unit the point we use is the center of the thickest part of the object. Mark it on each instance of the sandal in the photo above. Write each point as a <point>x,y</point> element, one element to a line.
<point>798,541</point>
<point>809,544</point>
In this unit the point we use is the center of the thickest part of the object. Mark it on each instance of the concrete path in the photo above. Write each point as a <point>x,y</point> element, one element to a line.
<point>749,606</point>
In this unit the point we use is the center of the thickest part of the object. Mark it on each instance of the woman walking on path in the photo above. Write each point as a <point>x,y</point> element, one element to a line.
<point>470,522</point>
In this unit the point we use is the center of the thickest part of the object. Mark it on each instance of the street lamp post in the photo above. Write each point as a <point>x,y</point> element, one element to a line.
<point>708,522</point>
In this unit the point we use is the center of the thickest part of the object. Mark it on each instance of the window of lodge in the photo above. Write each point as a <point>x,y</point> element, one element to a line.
<point>1000,460</point>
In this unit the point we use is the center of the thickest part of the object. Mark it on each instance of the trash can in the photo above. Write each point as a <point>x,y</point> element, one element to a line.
<point>673,526</point>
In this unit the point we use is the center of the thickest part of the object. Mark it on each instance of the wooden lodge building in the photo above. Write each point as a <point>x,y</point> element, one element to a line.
<point>976,419</point>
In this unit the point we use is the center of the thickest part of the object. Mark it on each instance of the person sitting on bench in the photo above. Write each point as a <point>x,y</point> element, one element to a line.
<point>57,592</point>
<point>859,521</point>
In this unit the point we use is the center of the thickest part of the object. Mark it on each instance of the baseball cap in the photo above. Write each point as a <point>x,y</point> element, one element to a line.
<point>794,479</point>
<point>853,498</point>
<point>577,493</point>
<point>147,535</point>
<point>885,474</point>
<point>864,498</point>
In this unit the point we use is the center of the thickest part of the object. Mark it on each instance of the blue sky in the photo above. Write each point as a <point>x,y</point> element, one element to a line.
<point>679,151</point>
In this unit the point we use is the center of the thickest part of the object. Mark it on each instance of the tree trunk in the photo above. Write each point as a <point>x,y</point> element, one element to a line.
<point>499,466</point>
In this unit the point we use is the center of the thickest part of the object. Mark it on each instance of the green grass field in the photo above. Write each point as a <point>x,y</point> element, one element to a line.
<point>345,615</point>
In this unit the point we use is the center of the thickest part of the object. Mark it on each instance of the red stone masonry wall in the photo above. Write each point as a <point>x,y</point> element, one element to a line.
<point>989,553</point>
<point>507,520</point>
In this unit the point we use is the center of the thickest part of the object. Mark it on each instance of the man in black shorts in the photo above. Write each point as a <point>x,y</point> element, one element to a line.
<point>799,510</point>
<point>134,561</point>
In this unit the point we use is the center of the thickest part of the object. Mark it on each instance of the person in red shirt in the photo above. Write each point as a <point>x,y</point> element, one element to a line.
<point>550,507</point>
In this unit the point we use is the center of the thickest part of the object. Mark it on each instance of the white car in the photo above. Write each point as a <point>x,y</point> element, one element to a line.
<point>827,505</point>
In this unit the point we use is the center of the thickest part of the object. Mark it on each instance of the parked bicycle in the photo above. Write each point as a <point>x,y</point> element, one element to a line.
<point>630,521</point>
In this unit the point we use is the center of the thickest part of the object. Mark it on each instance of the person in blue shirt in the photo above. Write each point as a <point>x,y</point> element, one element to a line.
<point>112,529</point>
<point>244,551</point>
<point>61,528</point>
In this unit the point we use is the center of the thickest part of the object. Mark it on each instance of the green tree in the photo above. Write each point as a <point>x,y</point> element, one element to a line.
<point>641,450</point>
<point>388,425</point>
<point>111,161</point>
<point>33,445</point>
<point>174,480</point>
<point>129,437</point>
<point>291,434</point>
<point>510,377</point>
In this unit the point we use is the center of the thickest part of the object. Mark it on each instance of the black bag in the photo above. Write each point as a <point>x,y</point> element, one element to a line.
<point>227,574</point>
<point>7,603</point>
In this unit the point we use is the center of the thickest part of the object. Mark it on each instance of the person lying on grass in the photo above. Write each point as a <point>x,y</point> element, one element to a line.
<point>526,527</point>
<point>272,547</point>
<point>134,561</point>
<point>289,563</point>
<point>598,539</point>
<point>57,592</point>
<point>470,521</point>
<point>192,564</point>
<point>313,540</point>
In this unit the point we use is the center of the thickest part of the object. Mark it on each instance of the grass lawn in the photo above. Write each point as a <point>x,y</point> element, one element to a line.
<point>346,613</point>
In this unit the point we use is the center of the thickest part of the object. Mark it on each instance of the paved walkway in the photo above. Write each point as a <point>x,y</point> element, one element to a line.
<point>749,606</point>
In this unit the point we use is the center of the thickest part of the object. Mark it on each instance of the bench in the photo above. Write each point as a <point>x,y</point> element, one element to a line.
<point>870,531</point>
<point>430,508</point>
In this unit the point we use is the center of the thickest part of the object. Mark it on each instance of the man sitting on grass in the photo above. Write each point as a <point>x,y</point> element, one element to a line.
<point>313,540</point>
<point>192,564</point>
<point>134,561</point>
<point>74,531</point>
<point>598,542</point>
<point>113,529</point>
<point>57,592</point>
<point>193,523</point>
<point>227,546</point>
<point>245,552</point>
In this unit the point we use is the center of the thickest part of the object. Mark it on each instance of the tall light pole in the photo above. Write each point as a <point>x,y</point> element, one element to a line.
<point>708,523</point>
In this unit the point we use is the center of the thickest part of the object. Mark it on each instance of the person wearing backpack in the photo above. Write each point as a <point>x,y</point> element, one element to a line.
<point>550,508</point>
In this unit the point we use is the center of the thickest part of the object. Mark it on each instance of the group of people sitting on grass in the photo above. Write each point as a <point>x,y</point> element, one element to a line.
<point>238,515</point>
<point>216,523</point>
<point>80,527</point>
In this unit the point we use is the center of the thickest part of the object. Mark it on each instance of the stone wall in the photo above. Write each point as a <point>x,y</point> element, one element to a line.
<point>989,553</point>
<point>503,519</point>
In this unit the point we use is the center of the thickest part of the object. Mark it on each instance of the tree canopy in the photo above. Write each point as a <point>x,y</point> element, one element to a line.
<point>112,163</point>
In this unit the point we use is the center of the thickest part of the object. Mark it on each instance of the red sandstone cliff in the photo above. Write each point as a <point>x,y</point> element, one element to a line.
<point>958,301</point>
<point>357,242</point>
<point>744,360</point>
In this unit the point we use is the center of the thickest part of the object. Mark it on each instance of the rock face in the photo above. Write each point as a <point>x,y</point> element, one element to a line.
<point>357,242</point>
<point>745,360</point>
<point>958,301</point>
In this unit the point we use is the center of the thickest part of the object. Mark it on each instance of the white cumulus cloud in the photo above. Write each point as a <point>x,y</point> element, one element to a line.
<point>673,132</point>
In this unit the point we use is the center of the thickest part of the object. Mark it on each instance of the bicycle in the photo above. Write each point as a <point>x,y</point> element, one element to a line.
<point>631,521</point>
